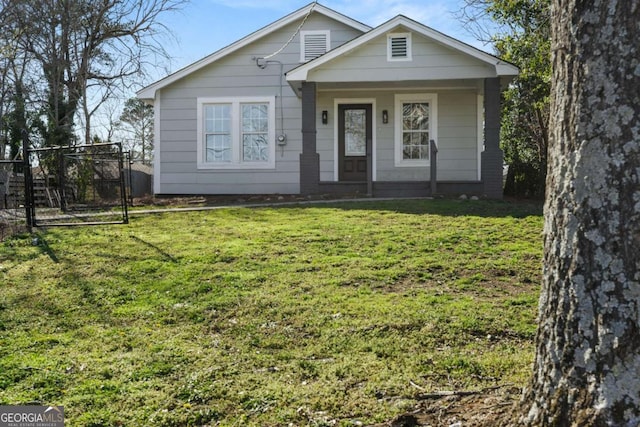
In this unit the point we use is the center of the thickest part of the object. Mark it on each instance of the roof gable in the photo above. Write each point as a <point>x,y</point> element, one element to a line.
<point>401,24</point>
<point>149,92</point>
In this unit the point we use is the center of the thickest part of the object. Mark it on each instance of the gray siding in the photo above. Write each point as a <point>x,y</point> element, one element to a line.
<point>233,76</point>
<point>430,61</point>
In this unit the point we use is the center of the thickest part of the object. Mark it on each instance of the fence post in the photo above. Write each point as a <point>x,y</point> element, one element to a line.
<point>432,169</point>
<point>28,182</point>
<point>123,190</point>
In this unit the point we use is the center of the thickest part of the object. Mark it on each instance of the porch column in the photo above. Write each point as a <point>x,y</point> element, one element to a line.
<point>309,158</point>
<point>492,156</point>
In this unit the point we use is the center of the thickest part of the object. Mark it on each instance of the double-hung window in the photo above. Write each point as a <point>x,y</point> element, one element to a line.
<point>416,117</point>
<point>236,133</point>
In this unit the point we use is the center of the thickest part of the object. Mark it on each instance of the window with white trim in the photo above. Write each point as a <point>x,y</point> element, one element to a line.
<point>416,118</point>
<point>236,133</point>
<point>314,44</point>
<point>399,47</point>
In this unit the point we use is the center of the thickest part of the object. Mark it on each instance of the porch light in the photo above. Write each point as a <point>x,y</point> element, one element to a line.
<point>385,116</point>
<point>325,117</point>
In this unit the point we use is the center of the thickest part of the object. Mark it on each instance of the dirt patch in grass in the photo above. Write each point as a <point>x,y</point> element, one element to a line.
<point>491,408</point>
<point>235,199</point>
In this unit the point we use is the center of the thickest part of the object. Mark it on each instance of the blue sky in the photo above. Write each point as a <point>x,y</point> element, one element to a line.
<point>204,26</point>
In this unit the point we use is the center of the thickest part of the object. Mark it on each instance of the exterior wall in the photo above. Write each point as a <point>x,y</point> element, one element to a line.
<point>236,75</point>
<point>430,61</point>
<point>457,132</point>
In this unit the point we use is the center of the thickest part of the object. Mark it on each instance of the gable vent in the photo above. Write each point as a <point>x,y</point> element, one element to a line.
<point>399,47</point>
<point>314,44</point>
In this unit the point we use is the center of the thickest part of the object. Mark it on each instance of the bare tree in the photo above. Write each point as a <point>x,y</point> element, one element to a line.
<point>587,365</point>
<point>15,83</point>
<point>78,43</point>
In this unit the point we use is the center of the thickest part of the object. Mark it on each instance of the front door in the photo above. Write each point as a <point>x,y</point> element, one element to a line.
<point>354,141</point>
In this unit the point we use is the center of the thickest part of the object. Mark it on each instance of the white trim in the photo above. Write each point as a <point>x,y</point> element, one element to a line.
<point>480,113</point>
<point>501,68</point>
<point>303,43</point>
<point>396,89</point>
<point>149,91</point>
<point>235,102</point>
<point>336,152</point>
<point>407,37</point>
<point>156,144</point>
<point>399,99</point>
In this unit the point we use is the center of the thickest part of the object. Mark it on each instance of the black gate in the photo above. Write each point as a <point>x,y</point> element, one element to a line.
<point>79,185</point>
<point>12,184</point>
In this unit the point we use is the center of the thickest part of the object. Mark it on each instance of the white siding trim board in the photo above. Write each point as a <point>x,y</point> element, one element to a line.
<point>157,161</point>
<point>376,88</point>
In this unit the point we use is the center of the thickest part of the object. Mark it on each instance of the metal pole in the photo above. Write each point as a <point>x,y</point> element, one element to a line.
<point>123,194</point>
<point>129,162</point>
<point>61,183</point>
<point>28,182</point>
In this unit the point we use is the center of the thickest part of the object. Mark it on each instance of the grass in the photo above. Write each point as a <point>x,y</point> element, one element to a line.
<point>298,315</point>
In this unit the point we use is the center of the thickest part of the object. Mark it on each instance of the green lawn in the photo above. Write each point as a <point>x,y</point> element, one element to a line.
<point>298,315</point>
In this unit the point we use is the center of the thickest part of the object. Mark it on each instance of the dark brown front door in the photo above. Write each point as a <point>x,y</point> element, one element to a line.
<point>354,141</point>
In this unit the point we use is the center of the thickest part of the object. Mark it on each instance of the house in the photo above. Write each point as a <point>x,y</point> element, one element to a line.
<point>319,103</point>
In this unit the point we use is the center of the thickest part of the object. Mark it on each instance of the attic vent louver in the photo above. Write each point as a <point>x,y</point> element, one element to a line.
<point>399,47</point>
<point>314,44</point>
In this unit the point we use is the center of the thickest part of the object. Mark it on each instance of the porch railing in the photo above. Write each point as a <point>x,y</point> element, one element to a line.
<point>433,165</point>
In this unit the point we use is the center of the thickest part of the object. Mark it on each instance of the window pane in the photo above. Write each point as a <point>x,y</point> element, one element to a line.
<point>422,116</point>
<point>415,131</point>
<point>218,148</point>
<point>415,116</point>
<point>415,145</point>
<point>217,118</point>
<point>255,148</point>
<point>255,131</point>
<point>255,118</point>
<point>355,132</point>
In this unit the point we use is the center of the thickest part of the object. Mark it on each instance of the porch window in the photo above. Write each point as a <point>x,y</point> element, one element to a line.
<point>236,133</point>
<point>415,125</point>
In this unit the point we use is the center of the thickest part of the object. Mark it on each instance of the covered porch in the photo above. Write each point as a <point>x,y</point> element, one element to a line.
<point>402,110</point>
<point>352,139</point>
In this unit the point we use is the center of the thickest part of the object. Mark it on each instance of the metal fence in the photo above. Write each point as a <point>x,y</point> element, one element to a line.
<point>56,186</point>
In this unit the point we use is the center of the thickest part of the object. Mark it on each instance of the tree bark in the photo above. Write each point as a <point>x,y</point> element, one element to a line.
<point>587,365</point>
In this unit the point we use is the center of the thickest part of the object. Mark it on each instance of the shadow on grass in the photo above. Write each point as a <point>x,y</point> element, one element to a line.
<point>162,252</point>
<point>46,249</point>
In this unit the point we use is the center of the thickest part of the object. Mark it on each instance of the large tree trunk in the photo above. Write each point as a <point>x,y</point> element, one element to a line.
<point>587,366</point>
